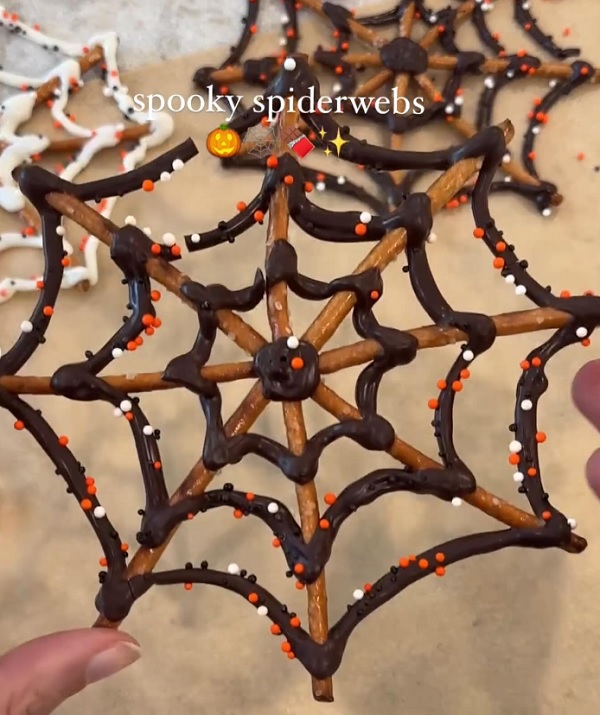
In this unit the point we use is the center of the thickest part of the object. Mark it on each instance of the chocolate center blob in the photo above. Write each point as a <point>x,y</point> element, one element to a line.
<point>287,373</point>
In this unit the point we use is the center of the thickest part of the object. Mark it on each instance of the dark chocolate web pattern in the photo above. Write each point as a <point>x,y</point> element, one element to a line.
<point>288,370</point>
<point>403,55</point>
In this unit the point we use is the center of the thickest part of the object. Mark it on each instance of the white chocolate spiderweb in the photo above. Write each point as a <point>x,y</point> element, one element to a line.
<point>18,147</point>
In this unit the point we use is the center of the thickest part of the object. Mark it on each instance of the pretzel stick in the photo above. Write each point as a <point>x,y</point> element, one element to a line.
<point>431,336</point>
<point>141,382</point>
<point>402,82</point>
<point>196,482</point>
<point>486,502</point>
<point>306,494</point>
<point>164,273</point>
<point>359,31</point>
<point>391,246</point>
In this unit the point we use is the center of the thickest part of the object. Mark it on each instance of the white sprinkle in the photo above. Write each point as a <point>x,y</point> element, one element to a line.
<point>177,165</point>
<point>233,569</point>
<point>520,290</point>
<point>525,6</point>
<point>262,610</point>
<point>552,83</point>
<point>284,19</point>
<point>99,512</point>
<point>459,101</point>
<point>60,230</point>
<point>489,82</point>
<point>432,238</point>
<point>515,446</point>
<point>507,179</point>
<point>165,176</point>
<point>510,74</point>
<point>433,17</point>
<point>107,92</point>
<point>449,109</point>
<point>341,180</point>
<point>509,278</point>
<point>357,594</point>
<point>518,477</point>
<point>581,332</point>
<point>365,217</point>
<point>536,129</point>
<point>148,430</point>
<point>117,353</point>
<point>195,238</point>
<point>337,87</point>
<point>320,186</point>
<point>293,343</point>
<point>468,355</point>
<point>272,507</point>
<point>547,212</point>
<point>130,220</point>
<point>125,406</point>
<point>456,501</point>
<point>168,239</point>
<point>572,523</point>
<point>527,405</point>
<point>506,158</point>
<point>26,326</point>
<point>147,230</point>
<point>117,412</point>
<point>289,64</point>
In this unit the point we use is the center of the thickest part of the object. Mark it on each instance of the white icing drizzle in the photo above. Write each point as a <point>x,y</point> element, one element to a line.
<point>20,149</point>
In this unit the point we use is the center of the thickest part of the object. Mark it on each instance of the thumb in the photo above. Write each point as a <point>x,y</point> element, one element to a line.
<point>38,676</point>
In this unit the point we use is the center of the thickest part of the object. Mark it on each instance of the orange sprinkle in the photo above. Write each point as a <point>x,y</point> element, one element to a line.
<point>423,563</point>
<point>259,216</point>
<point>63,441</point>
<point>238,513</point>
<point>295,622</point>
<point>586,342</point>
<point>92,490</point>
<point>433,404</point>
<point>131,346</point>
<point>89,481</point>
<point>442,384</point>
<point>531,472</point>
<point>188,586</point>
<point>299,585</point>
<point>367,587</point>
<point>324,524</point>
<point>65,262</point>
<point>157,465</point>
<point>374,295</point>
<point>525,365</point>
<point>155,295</point>
<point>148,185</point>
<point>139,340</point>
<point>124,547</point>
<point>176,250</point>
<point>531,155</point>
<point>580,156</point>
<point>86,504</point>
<point>540,437</point>
<point>190,516</point>
<point>250,496</point>
<point>298,568</point>
<point>498,262</point>
<point>253,598</point>
<point>360,229</point>
<point>39,285</point>
<point>465,374</point>
<point>501,246</point>
<point>156,249</point>
<point>308,187</point>
<point>286,647</point>
<point>440,557</point>
<point>478,233</point>
<point>276,543</point>
<point>536,361</point>
<point>19,425</point>
<point>440,571</point>
<point>514,459</point>
<point>103,561</point>
<point>546,515</point>
<point>275,629</point>
<point>457,386</point>
<point>329,498</point>
<point>288,180</point>
<point>48,311</point>
<point>297,363</point>
<point>241,206</point>
<point>404,562</point>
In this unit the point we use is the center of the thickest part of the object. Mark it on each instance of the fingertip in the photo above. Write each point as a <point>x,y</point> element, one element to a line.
<point>585,392</point>
<point>592,472</point>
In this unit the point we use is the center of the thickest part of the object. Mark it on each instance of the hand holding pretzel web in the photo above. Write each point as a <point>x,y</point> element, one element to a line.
<point>287,369</point>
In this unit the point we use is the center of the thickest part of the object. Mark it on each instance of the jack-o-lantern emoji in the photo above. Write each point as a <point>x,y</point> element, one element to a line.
<point>223,142</point>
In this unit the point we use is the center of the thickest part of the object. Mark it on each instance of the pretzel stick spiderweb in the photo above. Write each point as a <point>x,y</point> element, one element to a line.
<point>412,59</point>
<point>83,143</point>
<point>288,369</point>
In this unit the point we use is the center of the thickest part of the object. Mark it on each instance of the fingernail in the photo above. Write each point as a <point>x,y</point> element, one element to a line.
<point>111,661</point>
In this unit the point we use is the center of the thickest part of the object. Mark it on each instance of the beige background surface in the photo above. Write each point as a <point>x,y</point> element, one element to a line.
<point>514,633</point>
